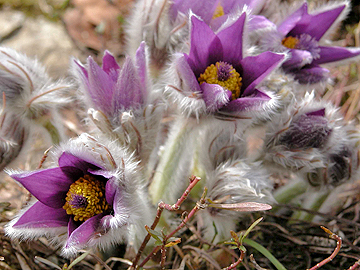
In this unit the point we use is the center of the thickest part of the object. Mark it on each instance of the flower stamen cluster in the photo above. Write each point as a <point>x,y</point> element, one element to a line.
<point>86,198</point>
<point>224,75</point>
<point>219,11</point>
<point>290,42</point>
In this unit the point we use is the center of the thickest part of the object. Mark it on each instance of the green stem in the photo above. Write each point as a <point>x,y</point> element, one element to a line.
<point>264,252</point>
<point>53,131</point>
<point>171,172</point>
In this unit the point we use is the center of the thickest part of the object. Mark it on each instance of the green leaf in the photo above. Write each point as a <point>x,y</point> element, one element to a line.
<point>252,226</point>
<point>78,259</point>
<point>173,242</point>
<point>158,236</point>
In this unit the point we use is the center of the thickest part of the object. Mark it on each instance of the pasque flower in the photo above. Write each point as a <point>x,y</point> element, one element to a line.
<point>215,77</point>
<point>302,33</point>
<point>111,89</point>
<point>119,100</point>
<point>93,197</point>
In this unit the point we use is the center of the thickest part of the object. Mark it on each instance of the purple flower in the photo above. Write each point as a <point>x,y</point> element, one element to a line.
<point>111,89</point>
<point>88,197</point>
<point>301,32</point>
<point>216,77</point>
<point>213,12</point>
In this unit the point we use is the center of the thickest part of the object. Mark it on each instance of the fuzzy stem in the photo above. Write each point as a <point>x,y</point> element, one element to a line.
<point>313,202</point>
<point>291,190</point>
<point>173,162</point>
<point>53,131</point>
<point>264,252</point>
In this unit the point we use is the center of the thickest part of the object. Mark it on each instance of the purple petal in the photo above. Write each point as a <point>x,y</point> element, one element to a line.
<point>81,235</point>
<point>72,226</point>
<point>320,112</point>
<point>316,25</point>
<point>42,216</point>
<point>249,103</point>
<point>202,38</point>
<point>332,54</point>
<point>81,164</point>
<point>215,96</point>
<point>140,60</point>
<point>128,90</point>
<point>254,69</point>
<point>205,11</point>
<point>290,22</point>
<point>100,87</point>
<point>186,74</point>
<point>49,186</point>
<point>230,5</point>
<point>311,74</point>
<point>231,39</point>
<point>110,191</point>
<point>109,63</point>
<point>82,68</point>
<point>298,59</point>
<point>259,22</point>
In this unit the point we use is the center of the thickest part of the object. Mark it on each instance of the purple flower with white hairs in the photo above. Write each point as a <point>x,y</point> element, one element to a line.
<point>111,89</point>
<point>92,198</point>
<point>302,34</point>
<point>215,77</point>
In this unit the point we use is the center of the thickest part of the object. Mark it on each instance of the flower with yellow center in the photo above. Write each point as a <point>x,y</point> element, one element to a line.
<point>224,75</point>
<point>86,198</point>
<point>290,42</point>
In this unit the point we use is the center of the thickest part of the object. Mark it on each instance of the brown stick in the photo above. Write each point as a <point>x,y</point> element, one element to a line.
<point>335,252</point>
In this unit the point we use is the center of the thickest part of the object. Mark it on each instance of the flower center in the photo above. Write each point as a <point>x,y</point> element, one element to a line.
<point>224,75</point>
<point>86,198</point>
<point>219,11</point>
<point>290,42</point>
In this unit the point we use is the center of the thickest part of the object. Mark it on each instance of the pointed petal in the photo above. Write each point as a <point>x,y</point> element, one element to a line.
<point>41,216</point>
<point>298,59</point>
<point>257,22</point>
<point>109,63</point>
<point>81,164</point>
<point>311,74</point>
<point>215,96</point>
<point>290,22</point>
<point>317,25</point>
<point>100,87</point>
<point>333,54</point>
<point>187,76</point>
<point>49,186</point>
<point>128,90</point>
<point>110,191</point>
<point>140,60</point>
<point>232,41</point>
<point>206,12</point>
<point>81,235</point>
<point>71,226</point>
<point>249,103</point>
<point>201,40</point>
<point>254,69</point>
<point>82,68</point>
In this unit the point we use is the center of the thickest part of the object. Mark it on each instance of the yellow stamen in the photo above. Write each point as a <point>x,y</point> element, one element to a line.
<point>290,42</point>
<point>232,83</point>
<point>86,198</point>
<point>219,11</point>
